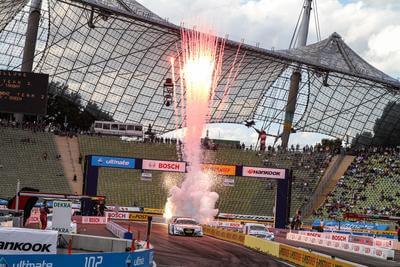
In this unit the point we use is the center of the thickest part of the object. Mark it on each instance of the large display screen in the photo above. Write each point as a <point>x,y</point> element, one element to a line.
<point>23,92</point>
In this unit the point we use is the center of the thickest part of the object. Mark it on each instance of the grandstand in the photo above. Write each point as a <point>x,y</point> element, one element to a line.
<point>30,157</point>
<point>368,186</point>
<point>248,196</point>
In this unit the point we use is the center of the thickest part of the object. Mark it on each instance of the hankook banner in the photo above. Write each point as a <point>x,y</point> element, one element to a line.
<point>27,241</point>
<point>263,172</point>
<point>162,165</point>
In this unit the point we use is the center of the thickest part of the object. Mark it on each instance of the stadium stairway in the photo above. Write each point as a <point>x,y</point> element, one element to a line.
<point>68,148</point>
<point>336,169</point>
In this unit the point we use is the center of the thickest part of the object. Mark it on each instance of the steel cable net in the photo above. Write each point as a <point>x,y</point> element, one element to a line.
<point>122,62</point>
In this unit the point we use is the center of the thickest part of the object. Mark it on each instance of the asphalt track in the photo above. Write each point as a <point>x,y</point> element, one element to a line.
<point>174,251</point>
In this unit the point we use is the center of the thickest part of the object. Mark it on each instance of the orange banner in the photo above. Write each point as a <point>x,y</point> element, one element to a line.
<point>229,170</point>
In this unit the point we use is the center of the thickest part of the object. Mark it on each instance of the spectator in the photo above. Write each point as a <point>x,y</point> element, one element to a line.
<point>44,210</point>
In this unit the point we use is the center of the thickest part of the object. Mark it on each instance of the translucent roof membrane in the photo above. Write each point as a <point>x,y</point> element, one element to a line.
<point>122,63</point>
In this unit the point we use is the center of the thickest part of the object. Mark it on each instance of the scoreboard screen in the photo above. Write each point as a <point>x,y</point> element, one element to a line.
<point>23,92</point>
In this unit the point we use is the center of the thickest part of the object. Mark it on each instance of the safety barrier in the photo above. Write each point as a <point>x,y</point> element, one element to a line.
<point>139,258</point>
<point>118,230</point>
<point>262,245</point>
<point>288,253</point>
<point>342,243</point>
<point>227,235</point>
<point>363,240</point>
<point>308,259</point>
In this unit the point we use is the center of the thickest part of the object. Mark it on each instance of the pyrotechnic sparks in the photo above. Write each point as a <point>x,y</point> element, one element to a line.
<point>200,65</point>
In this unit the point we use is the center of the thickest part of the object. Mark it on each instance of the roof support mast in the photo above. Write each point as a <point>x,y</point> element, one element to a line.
<point>30,42</point>
<point>296,76</point>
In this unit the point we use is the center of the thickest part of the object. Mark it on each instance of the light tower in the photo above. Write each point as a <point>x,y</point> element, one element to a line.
<point>296,75</point>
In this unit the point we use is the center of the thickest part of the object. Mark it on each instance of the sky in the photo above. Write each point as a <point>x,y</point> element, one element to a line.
<point>370,27</point>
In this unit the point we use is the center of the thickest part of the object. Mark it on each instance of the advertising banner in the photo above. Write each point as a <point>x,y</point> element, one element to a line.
<point>162,165</point>
<point>344,226</point>
<point>228,170</point>
<point>245,217</point>
<point>131,209</point>
<point>27,241</point>
<point>152,210</point>
<point>146,176</point>
<point>117,215</point>
<point>263,172</point>
<point>138,217</point>
<point>229,182</point>
<point>124,259</point>
<point>94,220</point>
<point>113,162</point>
<point>62,211</point>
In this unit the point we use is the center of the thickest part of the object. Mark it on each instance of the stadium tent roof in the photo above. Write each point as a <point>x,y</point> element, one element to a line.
<point>121,64</point>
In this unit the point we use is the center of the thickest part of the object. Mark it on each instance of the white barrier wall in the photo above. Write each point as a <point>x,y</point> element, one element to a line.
<point>338,241</point>
<point>27,241</point>
<point>118,230</point>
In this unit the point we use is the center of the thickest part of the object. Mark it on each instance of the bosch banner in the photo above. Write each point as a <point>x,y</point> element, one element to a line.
<point>123,259</point>
<point>113,162</point>
<point>27,241</point>
<point>162,165</point>
<point>263,172</point>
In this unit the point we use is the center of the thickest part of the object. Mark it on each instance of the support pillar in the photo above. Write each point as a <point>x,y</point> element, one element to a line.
<point>30,43</point>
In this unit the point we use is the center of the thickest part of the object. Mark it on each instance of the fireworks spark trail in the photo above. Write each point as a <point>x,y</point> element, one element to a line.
<point>200,67</point>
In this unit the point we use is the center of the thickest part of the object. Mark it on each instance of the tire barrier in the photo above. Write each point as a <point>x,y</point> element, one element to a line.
<point>341,242</point>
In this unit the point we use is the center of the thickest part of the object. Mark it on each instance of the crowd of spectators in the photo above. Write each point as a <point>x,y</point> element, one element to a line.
<point>369,186</point>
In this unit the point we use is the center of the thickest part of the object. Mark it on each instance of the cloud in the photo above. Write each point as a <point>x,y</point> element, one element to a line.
<point>370,27</point>
<point>271,22</point>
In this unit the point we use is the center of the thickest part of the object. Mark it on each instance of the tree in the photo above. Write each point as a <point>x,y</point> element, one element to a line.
<point>66,106</point>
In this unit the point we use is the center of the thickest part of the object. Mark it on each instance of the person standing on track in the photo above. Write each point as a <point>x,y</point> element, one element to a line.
<point>398,231</point>
<point>44,210</point>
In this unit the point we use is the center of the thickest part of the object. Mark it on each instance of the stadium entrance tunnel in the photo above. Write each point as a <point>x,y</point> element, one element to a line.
<point>283,177</point>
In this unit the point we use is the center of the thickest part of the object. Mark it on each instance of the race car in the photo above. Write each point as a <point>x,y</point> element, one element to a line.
<point>184,226</point>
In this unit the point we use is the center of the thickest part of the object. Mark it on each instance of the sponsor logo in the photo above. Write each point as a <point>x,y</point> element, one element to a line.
<point>117,215</point>
<point>113,162</point>
<point>3,262</point>
<point>253,171</point>
<point>264,172</point>
<point>339,237</point>
<point>138,217</point>
<point>220,169</point>
<point>173,166</point>
<point>57,204</point>
<point>20,246</point>
<point>94,220</point>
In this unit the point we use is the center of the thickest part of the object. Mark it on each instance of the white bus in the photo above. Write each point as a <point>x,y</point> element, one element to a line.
<point>118,128</point>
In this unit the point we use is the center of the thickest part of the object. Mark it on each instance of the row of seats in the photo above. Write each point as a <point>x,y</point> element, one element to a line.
<point>30,157</point>
<point>369,186</point>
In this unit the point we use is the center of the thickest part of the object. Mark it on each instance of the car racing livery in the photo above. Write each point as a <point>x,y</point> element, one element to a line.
<point>184,226</point>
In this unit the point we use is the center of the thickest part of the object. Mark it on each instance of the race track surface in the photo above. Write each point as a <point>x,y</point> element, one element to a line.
<point>199,251</point>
